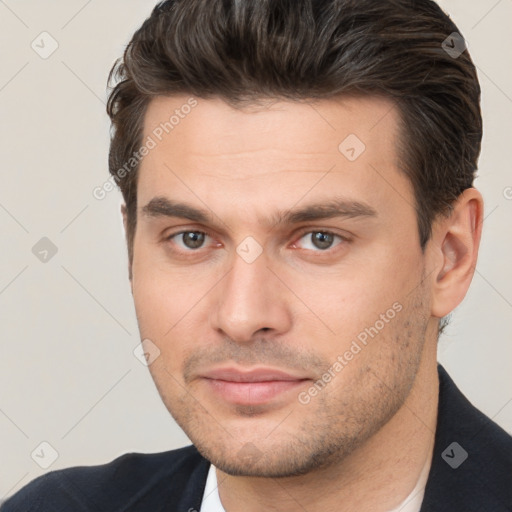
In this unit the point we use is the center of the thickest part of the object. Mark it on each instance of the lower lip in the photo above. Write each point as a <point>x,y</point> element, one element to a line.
<point>252,393</point>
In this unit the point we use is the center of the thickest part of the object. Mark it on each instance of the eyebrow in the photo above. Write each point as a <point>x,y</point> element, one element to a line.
<point>163,207</point>
<point>332,208</point>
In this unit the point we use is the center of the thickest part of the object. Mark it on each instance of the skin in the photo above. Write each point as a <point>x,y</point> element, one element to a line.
<point>362,441</point>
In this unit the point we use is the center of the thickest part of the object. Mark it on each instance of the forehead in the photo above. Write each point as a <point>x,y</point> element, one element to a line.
<point>212,126</point>
<point>206,151</point>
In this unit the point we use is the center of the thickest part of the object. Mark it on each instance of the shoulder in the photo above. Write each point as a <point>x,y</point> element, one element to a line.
<point>472,460</point>
<point>490,445</point>
<point>134,481</point>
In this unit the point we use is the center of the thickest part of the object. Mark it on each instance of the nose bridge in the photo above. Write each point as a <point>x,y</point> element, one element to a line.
<point>246,286</point>
<point>249,298</point>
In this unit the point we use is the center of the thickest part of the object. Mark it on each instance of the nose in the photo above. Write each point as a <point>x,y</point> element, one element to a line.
<point>250,300</point>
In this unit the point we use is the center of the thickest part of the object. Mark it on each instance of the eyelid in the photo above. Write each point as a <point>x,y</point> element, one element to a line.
<point>309,230</point>
<point>170,233</point>
<point>297,237</point>
<point>170,236</point>
<point>329,231</point>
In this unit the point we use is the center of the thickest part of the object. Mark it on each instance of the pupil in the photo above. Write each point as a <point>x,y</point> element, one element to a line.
<point>193,239</point>
<point>322,240</point>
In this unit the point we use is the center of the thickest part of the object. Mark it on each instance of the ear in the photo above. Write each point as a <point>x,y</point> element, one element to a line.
<point>125,224</point>
<point>455,242</point>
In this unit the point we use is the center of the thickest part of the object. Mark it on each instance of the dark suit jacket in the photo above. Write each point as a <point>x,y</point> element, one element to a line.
<point>175,480</point>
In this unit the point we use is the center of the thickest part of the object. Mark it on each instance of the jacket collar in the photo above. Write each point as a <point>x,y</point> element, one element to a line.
<point>480,482</point>
<point>471,467</point>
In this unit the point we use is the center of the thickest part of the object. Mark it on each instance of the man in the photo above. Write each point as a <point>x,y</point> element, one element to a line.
<point>300,220</point>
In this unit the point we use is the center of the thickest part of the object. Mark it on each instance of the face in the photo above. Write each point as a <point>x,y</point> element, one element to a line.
<point>278,275</point>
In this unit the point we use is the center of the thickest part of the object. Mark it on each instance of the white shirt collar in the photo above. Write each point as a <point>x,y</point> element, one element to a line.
<point>211,499</point>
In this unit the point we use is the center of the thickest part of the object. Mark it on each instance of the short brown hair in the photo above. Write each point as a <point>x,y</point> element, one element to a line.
<point>246,50</point>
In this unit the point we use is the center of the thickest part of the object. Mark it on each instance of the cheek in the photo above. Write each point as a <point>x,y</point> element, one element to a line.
<point>161,296</point>
<point>348,300</point>
<point>153,299</point>
<point>361,308</point>
<point>169,312</point>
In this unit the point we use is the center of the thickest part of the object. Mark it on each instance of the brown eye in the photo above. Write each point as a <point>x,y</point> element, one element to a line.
<point>322,240</point>
<point>189,239</point>
<point>319,240</point>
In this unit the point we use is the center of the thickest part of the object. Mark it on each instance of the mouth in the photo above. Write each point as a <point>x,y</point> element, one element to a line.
<point>253,387</point>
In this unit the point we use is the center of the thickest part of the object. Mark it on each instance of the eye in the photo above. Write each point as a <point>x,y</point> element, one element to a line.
<point>189,240</point>
<point>319,240</point>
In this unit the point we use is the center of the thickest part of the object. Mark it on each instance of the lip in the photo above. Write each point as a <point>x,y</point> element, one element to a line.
<point>255,375</point>
<point>252,387</point>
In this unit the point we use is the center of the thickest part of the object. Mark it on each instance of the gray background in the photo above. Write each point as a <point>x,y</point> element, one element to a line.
<point>68,373</point>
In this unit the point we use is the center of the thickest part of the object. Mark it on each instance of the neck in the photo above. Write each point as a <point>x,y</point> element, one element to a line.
<point>376,477</point>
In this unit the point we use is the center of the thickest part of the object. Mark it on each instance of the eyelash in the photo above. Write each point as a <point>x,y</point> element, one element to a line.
<point>330,250</point>
<point>169,238</point>
<point>342,239</point>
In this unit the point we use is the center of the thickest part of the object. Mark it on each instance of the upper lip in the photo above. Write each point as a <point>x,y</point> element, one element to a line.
<point>254,375</point>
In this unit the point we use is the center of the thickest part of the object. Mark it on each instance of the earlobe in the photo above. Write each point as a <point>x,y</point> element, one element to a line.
<point>457,238</point>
